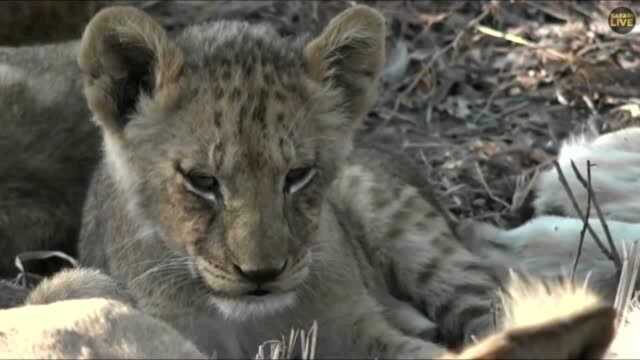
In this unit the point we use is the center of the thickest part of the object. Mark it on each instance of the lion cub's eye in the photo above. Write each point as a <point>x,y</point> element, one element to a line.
<point>298,178</point>
<point>205,186</point>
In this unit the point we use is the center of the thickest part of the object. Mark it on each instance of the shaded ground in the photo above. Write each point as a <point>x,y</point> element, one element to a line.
<point>479,93</point>
<point>482,114</point>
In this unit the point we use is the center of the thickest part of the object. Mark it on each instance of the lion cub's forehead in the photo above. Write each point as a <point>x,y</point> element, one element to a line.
<point>249,96</point>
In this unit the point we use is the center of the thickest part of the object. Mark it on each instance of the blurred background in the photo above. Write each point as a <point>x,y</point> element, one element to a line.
<point>479,93</point>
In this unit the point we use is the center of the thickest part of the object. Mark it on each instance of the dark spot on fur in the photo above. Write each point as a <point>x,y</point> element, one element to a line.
<point>248,66</point>
<point>242,114</point>
<point>443,310</point>
<point>379,198</point>
<point>218,155</point>
<point>268,77</point>
<point>397,191</point>
<point>242,117</point>
<point>394,232</point>
<point>471,312</point>
<point>236,93</point>
<point>429,271</point>
<point>432,268</point>
<point>474,290</point>
<point>489,270</point>
<point>401,216</point>
<point>430,334</point>
<point>225,69</point>
<point>260,112</point>
<point>217,119</point>
<point>280,97</point>
<point>218,93</point>
<point>258,44</point>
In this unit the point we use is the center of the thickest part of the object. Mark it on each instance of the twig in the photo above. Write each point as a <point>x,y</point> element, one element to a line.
<point>494,315</point>
<point>519,195</point>
<point>438,54</point>
<point>605,227</point>
<point>487,189</point>
<point>585,224</point>
<point>489,101</point>
<point>521,41</point>
<point>574,202</point>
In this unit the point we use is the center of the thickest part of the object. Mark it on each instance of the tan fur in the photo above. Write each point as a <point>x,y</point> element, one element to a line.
<point>357,247</point>
<point>88,323</point>
<point>547,321</point>
<point>531,302</point>
<point>625,344</point>
<point>78,284</point>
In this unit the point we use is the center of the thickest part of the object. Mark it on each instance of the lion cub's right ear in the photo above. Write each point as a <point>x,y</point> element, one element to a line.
<point>350,53</point>
<point>124,55</point>
<point>586,335</point>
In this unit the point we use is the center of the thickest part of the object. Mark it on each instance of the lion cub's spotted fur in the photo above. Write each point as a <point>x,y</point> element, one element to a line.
<point>351,236</point>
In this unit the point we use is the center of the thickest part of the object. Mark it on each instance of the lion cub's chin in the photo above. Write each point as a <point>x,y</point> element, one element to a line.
<point>243,307</point>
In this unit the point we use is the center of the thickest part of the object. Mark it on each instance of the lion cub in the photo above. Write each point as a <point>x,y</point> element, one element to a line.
<point>233,204</point>
<point>50,150</point>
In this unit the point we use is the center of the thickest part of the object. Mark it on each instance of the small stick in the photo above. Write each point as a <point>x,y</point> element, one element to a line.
<point>585,224</point>
<point>520,41</point>
<point>605,227</point>
<point>574,202</point>
<point>426,68</point>
<point>488,189</point>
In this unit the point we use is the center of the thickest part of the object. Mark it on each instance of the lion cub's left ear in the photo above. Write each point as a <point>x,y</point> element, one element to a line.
<point>350,53</point>
<point>124,55</point>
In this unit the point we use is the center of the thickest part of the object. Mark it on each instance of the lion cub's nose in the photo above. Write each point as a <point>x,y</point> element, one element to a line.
<point>260,275</point>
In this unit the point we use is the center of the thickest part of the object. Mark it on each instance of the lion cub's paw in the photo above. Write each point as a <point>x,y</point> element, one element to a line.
<point>475,235</point>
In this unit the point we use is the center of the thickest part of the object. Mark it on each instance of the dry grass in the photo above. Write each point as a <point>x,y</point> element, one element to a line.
<point>300,344</point>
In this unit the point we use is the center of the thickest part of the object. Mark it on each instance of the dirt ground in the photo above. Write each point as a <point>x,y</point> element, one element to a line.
<point>479,93</point>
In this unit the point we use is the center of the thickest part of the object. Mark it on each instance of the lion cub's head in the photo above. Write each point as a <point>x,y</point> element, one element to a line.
<point>226,138</point>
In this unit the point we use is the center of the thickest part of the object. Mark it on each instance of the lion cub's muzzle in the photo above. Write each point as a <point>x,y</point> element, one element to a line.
<point>235,280</point>
<point>261,276</point>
